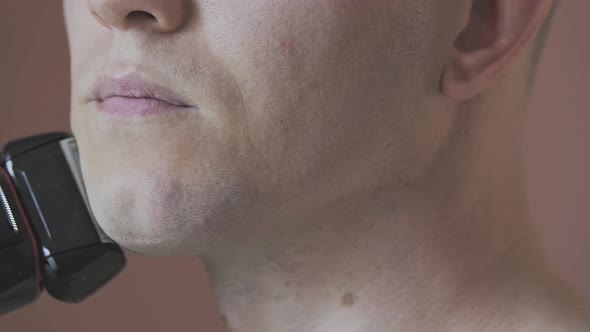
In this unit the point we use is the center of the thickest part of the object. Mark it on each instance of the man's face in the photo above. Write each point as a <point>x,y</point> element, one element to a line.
<point>292,104</point>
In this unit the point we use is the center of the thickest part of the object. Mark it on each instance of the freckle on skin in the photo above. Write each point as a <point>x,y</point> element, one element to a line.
<point>348,300</point>
<point>287,47</point>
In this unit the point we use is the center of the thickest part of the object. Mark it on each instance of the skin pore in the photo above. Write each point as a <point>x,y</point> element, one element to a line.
<point>345,166</point>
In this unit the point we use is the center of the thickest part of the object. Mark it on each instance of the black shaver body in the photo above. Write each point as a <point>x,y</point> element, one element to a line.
<point>48,236</point>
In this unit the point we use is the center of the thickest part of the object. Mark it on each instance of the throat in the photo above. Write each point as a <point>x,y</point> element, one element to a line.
<point>384,274</point>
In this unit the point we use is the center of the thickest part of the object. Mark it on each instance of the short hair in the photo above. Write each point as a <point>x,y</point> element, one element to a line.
<point>539,46</point>
<point>541,38</point>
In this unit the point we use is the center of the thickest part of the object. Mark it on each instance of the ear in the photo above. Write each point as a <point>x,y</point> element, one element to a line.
<point>496,33</point>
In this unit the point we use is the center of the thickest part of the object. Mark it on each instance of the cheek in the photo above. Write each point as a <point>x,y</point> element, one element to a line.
<point>324,83</point>
<point>87,39</point>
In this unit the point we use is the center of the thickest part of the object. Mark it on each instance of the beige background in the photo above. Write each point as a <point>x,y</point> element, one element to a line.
<point>157,294</point>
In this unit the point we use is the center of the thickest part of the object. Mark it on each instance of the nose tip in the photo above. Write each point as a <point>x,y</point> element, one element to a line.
<point>160,15</point>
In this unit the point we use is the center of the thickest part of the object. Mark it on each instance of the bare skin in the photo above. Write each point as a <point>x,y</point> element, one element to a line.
<point>342,165</point>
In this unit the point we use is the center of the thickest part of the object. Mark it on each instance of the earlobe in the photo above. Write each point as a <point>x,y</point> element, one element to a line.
<point>497,32</point>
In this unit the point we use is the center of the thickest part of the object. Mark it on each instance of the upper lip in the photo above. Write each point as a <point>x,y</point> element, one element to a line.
<point>134,87</point>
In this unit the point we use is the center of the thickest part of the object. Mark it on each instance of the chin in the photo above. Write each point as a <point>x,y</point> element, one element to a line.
<point>165,217</point>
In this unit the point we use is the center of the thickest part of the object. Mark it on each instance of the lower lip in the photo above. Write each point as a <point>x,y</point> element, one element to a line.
<point>138,107</point>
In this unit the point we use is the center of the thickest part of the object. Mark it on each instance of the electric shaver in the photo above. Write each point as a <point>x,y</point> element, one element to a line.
<point>49,239</point>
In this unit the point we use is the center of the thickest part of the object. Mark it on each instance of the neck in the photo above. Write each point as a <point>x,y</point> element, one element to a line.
<point>454,251</point>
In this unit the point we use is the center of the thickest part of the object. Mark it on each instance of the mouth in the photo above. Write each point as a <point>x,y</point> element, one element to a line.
<point>132,97</point>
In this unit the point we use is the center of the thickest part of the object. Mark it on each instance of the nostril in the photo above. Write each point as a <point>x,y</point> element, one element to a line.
<point>140,15</point>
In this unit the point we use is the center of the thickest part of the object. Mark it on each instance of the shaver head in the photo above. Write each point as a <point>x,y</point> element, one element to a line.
<point>49,238</point>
